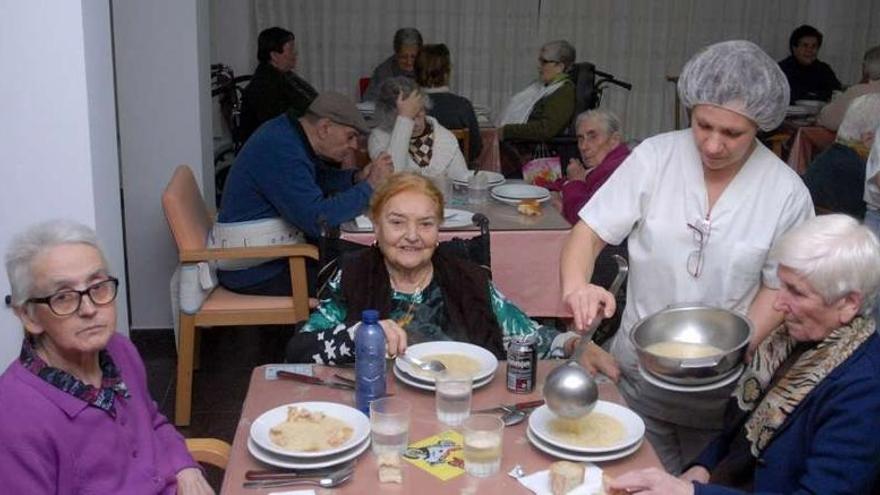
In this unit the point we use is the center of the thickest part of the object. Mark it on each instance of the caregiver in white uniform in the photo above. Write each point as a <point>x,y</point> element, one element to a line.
<point>701,207</point>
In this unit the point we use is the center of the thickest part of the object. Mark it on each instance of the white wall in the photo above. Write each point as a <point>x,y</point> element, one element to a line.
<point>58,131</point>
<point>163,85</point>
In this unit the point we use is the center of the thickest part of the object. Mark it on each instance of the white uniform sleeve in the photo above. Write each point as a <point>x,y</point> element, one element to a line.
<point>620,203</point>
<point>797,208</point>
<point>872,192</point>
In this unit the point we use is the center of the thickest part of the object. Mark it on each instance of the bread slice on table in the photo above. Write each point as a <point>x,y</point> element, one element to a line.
<point>529,207</point>
<point>565,476</point>
<point>389,468</point>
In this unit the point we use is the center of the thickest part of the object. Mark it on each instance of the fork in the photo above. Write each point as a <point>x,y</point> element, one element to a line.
<point>326,482</point>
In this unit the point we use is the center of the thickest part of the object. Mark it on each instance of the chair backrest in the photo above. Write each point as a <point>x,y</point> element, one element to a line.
<point>363,84</point>
<point>185,211</point>
<point>464,142</point>
<point>583,75</point>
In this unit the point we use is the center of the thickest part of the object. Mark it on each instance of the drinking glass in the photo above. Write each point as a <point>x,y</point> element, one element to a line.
<point>453,394</point>
<point>478,189</point>
<point>482,444</point>
<point>389,425</point>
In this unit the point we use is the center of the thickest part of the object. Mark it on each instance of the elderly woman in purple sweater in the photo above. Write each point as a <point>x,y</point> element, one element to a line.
<point>600,142</point>
<point>75,412</point>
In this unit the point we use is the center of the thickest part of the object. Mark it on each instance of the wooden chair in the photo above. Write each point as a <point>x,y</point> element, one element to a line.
<point>464,142</point>
<point>190,224</point>
<point>211,451</point>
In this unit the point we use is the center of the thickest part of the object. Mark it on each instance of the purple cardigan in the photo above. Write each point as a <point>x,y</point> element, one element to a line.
<point>52,442</point>
<point>576,193</point>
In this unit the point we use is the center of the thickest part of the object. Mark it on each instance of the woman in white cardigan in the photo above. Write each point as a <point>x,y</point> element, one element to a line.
<point>417,143</point>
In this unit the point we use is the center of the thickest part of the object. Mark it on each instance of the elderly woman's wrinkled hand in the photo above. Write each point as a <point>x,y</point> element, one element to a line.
<point>652,481</point>
<point>575,170</point>
<point>378,170</point>
<point>410,105</point>
<point>395,337</point>
<point>588,303</point>
<point>190,481</point>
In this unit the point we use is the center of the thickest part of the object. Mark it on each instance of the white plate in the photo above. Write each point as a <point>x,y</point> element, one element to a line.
<point>516,202</point>
<point>657,382</point>
<point>299,463</point>
<point>413,382</point>
<point>634,427</point>
<point>520,191</point>
<point>812,104</point>
<point>492,178</point>
<point>487,360</point>
<point>456,218</point>
<point>578,456</point>
<point>351,416</point>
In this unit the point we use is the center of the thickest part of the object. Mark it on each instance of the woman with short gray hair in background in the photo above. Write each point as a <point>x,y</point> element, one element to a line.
<point>417,143</point>
<point>407,44</point>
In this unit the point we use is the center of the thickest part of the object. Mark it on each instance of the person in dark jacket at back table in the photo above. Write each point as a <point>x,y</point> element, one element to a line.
<point>451,110</point>
<point>808,77</point>
<point>275,87</point>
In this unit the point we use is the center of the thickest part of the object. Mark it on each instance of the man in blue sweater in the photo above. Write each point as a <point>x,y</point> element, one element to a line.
<point>280,187</point>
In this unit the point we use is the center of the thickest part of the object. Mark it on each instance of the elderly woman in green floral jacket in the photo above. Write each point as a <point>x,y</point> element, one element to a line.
<point>422,295</point>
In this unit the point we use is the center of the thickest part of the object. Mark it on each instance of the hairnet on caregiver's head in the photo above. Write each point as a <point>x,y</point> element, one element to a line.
<point>738,76</point>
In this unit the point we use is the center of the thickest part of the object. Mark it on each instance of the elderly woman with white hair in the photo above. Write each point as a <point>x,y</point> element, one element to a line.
<point>76,413</point>
<point>407,44</point>
<point>416,142</point>
<point>805,413</point>
<point>701,208</point>
<point>600,143</point>
<point>837,176</point>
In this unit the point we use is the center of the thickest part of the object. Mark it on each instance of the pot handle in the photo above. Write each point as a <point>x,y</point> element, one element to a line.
<point>701,362</point>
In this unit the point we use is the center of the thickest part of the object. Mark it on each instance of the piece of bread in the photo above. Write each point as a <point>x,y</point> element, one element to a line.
<point>565,476</point>
<point>389,468</point>
<point>529,207</point>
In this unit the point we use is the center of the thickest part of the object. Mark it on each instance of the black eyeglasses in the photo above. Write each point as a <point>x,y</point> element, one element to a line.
<point>67,302</point>
<point>701,230</point>
<point>544,61</point>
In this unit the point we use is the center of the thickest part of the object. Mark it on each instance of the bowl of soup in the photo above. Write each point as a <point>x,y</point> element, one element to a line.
<point>691,344</point>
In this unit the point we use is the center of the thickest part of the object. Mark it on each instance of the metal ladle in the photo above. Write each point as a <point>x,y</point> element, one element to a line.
<point>570,390</point>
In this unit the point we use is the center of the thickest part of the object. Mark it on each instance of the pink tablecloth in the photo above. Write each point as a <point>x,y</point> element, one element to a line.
<point>525,266</point>
<point>266,394</point>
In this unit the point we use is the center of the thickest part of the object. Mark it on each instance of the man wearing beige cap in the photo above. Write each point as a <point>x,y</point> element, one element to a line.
<point>279,189</point>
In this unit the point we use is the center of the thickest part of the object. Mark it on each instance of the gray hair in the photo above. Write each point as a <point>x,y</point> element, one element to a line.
<point>871,63</point>
<point>37,239</point>
<point>609,120</point>
<point>862,116</point>
<point>386,102</point>
<point>836,254</point>
<point>407,36</point>
<point>737,76</point>
<point>559,51</point>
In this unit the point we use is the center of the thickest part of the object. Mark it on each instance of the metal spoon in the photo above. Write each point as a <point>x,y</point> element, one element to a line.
<point>326,482</point>
<point>432,366</point>
<point>570,390</point>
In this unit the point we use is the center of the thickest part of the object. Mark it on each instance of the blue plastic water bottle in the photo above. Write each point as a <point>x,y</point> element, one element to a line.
<point>369,361</point>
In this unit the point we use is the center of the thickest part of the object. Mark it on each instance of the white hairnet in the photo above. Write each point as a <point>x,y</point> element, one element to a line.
<point>740,77</point>
<point>862,115</point>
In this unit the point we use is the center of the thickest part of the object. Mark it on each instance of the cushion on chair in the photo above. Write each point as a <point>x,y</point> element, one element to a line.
<point>186,211</point>
<point>225,300</point>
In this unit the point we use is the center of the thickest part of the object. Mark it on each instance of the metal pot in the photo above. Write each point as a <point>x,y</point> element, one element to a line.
<point>692,324</point>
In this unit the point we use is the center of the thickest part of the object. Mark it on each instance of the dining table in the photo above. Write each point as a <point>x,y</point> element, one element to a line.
<point>524,250</point>
<point>265,393</point>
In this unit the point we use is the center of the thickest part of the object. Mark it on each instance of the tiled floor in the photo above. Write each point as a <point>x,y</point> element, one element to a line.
<point>228,356</point>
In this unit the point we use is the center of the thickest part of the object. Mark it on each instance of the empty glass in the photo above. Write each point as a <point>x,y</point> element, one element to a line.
<point>478,189</point>
<point>389,425</point>
<point>453,394</point>
<point>483,435</point>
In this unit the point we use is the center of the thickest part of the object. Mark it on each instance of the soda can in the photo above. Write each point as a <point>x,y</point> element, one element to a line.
<point>522,365</point>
